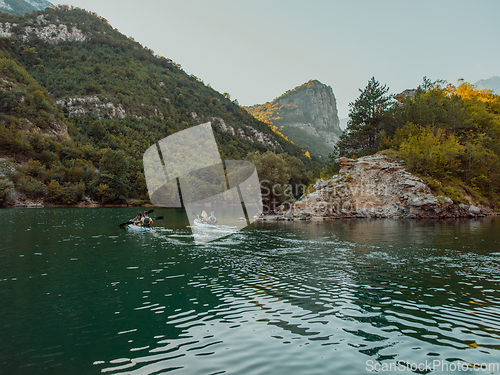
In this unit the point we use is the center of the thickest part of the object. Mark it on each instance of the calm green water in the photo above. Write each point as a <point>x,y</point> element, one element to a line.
<point>78,295</point>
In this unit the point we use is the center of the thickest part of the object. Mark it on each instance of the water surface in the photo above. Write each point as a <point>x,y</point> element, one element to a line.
<point>79,295</point>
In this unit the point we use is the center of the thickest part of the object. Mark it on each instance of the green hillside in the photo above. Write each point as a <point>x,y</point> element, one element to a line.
<point>114,97</point>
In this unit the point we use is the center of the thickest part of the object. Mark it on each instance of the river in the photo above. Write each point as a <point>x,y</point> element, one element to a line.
<point>79,295</point>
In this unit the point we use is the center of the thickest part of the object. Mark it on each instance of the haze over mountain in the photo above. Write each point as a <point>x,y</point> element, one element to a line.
<point>23,6</point>
<point>306,115</point>
<point>492,83</point>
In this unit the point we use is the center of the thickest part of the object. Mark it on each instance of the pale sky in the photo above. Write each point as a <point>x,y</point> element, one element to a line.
<point>257,50</point>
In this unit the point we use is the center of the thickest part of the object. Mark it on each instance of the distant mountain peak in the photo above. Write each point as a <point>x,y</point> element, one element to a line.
<point>23,6</point>
<point>492,83</point>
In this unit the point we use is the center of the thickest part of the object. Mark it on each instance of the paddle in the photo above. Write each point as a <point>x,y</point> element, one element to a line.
<point>131,222</point>
<point>128,222</point>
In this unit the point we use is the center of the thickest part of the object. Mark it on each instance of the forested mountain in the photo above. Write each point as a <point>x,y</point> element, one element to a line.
<point>307,116</point>
<point>23,6</point>
<point>80,103</point>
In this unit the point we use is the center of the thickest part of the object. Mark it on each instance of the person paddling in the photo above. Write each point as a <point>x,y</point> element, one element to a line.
<point>146,221</point>
<point>137,220</point>
<point>212,219</point>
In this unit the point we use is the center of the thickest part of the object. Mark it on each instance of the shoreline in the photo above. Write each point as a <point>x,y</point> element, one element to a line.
<point>278,217</point>
<point>38,205</point>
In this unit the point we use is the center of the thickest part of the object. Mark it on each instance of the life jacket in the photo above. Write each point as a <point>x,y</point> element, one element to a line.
<point>147,222</point>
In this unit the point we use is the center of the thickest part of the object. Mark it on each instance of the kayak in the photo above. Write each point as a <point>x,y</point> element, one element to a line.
<point>138,228</point>
<point>197,223</point>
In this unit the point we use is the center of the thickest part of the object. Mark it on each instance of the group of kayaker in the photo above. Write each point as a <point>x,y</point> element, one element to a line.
<point>142,220</point>
<point>205,219</point>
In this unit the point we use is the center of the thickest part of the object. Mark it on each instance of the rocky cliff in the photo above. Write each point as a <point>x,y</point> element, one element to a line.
<point>375,187</point>
<point>307,115</point>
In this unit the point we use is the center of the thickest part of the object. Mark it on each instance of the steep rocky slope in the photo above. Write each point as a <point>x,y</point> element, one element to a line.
<point>375,187</point>
<point>307,115</point>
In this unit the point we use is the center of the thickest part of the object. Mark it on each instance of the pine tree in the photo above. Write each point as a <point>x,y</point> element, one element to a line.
<point>367,115</point>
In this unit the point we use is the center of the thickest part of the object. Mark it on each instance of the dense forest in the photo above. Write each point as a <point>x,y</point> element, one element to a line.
<point>80,103</point>
<point>447,134</point>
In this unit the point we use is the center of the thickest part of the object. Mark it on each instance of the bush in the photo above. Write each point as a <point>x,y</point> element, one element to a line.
<point>54,192</point>
<point>102,192</point>
<point>434,155</point>
<point>68,194</point>
<point>31,188</point>
<point>33,168</point>
<point>6,190</point>
<point>455,195</point>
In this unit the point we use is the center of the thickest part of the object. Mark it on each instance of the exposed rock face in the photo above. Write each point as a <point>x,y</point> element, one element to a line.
<point>375,187</point>
<point>39,4</point>
<point>314,102</point>
<point>311,108</point>
<point>248,133</point>
<point>82,106</point>
<point>46,31</point>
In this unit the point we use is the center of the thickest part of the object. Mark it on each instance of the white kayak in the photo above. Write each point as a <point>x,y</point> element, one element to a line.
<point>198,223</point>
<point>138,227</point>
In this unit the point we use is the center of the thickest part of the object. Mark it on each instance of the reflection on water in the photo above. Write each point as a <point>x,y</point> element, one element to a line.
<point>81,295</point>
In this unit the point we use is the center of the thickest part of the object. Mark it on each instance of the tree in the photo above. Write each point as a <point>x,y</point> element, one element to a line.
<point>6,190</point>
<point>111,184</point>
<point>367,115</point>
<point>273,176</point>
<point>283,178</point>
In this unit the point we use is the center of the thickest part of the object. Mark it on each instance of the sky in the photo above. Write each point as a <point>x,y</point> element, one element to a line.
<point>257,50</point>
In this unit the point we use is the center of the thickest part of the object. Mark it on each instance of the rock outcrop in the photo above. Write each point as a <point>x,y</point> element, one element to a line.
<point>312,105</point>
<point>248,133</point>
<point>83,106</point>
<point>375,187</point>
<point>46,31</point>
<point>308,111</point>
